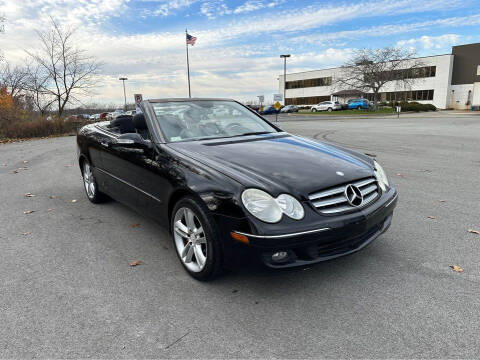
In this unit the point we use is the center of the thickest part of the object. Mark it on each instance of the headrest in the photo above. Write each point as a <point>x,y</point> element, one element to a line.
<point>124,122</point>
<point>139,121</point>
<point>171,119</point>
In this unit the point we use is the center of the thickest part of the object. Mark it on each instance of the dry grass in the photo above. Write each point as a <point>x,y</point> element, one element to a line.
<point>22,129</point>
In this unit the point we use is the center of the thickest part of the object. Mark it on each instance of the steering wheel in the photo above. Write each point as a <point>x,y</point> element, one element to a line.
<point>209,129</point>
<point>230,128</point>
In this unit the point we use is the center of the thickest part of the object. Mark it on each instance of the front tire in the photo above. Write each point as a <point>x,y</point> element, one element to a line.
<point>330,110</point>
<point>196,238</point>
<point>314,110</point>
<point>90,184</point>
<point>359,107</point>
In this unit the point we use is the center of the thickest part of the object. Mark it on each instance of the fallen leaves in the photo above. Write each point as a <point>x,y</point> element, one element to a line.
<point>456,268</point>
<point>18,170</point>
<point>135,225</point>
<point>28,211</point>
<point>68,165</point>
<point>401,175</point>
<point>29,195</point>
<point>442,201</point>
<point>49,210</point>
<point>135,263</point>
<point>52,197</point>
<point>25,161</point>
<point>26,233</point>
<point>474,231</point>
<point>432,217</point>
<point>74,200</point>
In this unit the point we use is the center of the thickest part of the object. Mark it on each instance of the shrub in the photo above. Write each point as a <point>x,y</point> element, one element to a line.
<point>413,106</point>
<point>36,128</point>
<point>8,110</point>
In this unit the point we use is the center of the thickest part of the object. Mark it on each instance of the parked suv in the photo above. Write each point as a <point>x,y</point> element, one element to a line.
<point>326,106</point>
<point>289,109</point>
<point>358,104</point>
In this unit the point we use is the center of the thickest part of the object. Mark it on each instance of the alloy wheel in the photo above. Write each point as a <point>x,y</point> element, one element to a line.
<point>88,180</point>
<point>190,239</point>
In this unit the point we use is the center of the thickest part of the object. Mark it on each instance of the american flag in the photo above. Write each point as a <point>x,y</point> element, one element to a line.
<point>191,39</point>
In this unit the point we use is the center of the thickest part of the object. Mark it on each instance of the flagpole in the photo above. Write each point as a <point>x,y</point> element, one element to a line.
<point>188,66</point>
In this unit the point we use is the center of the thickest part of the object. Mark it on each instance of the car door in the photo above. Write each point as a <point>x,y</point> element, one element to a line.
<point>323,106</point>
<point>119,167</point>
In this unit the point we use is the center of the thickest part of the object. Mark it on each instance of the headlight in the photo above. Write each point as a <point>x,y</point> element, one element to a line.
<point>264,207</point>
<point>381,176</point>
<point>290,206</point>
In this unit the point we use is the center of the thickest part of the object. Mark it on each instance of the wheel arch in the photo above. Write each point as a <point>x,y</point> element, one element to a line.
<point>175,197</point>
<point>81,159</point>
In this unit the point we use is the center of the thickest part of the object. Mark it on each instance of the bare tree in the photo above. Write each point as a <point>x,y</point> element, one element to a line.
<point>369,70</point>
<point>36,89</point>
<point>71,72</point>
<point>14,78</point>
<point>2,30</point>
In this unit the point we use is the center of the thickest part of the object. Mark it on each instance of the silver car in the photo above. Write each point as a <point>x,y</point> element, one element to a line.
<point>326,106</point>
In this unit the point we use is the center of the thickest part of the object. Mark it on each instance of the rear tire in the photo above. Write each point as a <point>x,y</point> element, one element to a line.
<point>314,110</point>
<point>90,184</point>
<point>329,109</point>
<point>196,239</point>
<point>359,107</point>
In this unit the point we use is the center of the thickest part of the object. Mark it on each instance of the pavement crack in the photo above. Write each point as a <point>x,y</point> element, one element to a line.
<point>176,341</point>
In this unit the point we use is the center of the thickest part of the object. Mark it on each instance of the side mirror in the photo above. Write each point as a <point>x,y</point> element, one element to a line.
<point>133,141</point>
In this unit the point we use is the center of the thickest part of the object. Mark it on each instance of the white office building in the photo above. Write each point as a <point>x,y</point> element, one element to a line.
<point>449,81</point>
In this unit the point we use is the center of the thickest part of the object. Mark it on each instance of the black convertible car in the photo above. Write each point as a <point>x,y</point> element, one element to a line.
<point>228,183</point>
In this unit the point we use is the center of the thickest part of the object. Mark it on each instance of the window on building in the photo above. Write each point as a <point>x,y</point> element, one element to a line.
<point>312,100</point>
<point>416,95</point>
<point>299,84</point>
<point>417,73</point>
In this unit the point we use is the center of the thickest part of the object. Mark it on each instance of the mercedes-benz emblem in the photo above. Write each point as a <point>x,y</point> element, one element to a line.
<point>354,195</point>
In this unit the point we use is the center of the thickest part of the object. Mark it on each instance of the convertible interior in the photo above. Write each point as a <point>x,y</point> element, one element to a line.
<point>125,124</point>
<point>192,121</point>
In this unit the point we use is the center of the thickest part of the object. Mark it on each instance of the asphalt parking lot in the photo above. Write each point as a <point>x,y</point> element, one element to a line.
<point>67,290</point>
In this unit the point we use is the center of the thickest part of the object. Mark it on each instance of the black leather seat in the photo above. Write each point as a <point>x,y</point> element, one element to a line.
<point>123,124</point>
<point>171,126</point>
<point>140,125</point>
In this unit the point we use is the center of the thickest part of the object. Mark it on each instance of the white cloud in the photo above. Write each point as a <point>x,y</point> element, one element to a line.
<point>214,8</point>
<point>168,6</point>
<point>431,42</point>
<point>386,30</point>
<point>252,5</point>
<point>155,62</point>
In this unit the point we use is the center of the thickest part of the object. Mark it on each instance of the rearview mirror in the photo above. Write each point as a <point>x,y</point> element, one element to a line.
<point>133,141</point>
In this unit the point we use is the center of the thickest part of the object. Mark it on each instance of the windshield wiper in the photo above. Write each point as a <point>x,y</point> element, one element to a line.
<point>229,136</point>
<point>256,133</point>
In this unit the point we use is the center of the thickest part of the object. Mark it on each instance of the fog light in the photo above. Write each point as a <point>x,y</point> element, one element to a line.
<point>279,256</point>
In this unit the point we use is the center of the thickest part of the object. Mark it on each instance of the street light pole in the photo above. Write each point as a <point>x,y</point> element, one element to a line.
<point>285,77</point>
<point>124,93</point>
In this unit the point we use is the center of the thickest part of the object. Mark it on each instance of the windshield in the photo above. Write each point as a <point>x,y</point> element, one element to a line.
<point>204,119</point>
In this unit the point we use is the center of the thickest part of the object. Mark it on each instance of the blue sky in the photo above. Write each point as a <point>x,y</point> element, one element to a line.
<point>239,41</point>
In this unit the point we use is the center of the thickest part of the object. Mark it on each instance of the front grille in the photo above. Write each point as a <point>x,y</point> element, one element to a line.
<point>333,200</point>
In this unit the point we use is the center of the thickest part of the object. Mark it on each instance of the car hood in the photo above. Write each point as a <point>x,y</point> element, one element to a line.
<point>279,163</point>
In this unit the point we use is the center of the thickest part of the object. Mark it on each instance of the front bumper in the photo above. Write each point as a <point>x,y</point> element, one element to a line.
<point>336,238</point>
